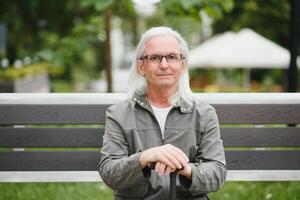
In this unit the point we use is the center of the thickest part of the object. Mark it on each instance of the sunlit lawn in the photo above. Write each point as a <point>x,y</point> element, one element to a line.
<point>259,191</point>
<point>91,191</point>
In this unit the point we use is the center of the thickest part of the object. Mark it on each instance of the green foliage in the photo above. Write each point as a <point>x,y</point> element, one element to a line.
<point>78,49</point>
<point>183,24</point>
<point>30,70</point>
<point>99,5</point>
<point>184,16</point>
<point>26,19</point>
<point>70,48</point>
<point>61,86</point>
<point>123,8</point>
<point>269,18</point>
<point>214,8</point>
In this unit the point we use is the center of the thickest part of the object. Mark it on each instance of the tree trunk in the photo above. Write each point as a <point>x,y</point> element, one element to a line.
<point>135,31</point>
<point>293,70</point>
<point>107,52</point>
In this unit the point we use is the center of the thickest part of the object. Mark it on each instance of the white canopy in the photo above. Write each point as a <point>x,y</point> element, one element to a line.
<point>245,49</point>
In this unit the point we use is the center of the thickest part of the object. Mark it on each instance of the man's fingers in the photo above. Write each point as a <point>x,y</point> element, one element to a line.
<point>160,168</point>
<point>163,169</point>
<point>179,151</point>
<point>168,170</point>
<point>176,157</point>
<point>169,163</point>
<point>169,155</point>
<point>176,160</point>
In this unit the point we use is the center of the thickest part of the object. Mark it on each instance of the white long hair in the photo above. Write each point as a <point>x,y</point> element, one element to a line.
<point>137,83</point>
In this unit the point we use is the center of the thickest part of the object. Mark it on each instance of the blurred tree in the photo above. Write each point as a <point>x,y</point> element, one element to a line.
<point>214,8</point>
<point>170,11</point>
<point>109,8</point>
<point>268,18</point>
<point>185,16</point>
<point>26,19</point>
<point>43,28</point>
<point>262,16</point>
<point>73,50</point>
<point>64,32</point>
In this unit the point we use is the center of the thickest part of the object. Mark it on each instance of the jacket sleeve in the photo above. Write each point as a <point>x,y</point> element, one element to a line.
<point>209,169</point>
<point>117,168</point>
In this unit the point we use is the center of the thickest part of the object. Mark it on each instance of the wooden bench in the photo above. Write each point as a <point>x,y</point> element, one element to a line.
<point>37,144</point>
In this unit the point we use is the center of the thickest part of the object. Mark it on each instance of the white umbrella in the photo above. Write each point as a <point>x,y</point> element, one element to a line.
<point>245,49</point>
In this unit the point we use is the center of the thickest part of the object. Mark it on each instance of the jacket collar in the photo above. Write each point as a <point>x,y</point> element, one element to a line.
<point>142,101</point>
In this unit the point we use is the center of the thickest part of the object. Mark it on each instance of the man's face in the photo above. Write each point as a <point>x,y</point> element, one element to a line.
<point>164,73</point>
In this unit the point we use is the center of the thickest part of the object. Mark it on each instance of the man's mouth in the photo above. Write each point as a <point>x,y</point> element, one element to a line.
<point>164,74</point>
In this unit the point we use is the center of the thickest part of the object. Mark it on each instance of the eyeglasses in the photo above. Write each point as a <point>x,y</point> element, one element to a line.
<point>171,58</point>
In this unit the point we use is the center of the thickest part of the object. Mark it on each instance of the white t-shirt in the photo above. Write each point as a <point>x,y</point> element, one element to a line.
<point>161,116</point>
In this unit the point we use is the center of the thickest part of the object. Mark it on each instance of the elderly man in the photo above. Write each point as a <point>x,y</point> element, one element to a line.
<point>161,123</point>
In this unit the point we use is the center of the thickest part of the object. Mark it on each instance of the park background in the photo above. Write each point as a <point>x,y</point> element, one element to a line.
<point>87,46</point>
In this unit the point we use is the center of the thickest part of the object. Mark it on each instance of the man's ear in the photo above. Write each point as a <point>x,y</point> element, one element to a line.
<point>183,66</point>
<point>140,69</point>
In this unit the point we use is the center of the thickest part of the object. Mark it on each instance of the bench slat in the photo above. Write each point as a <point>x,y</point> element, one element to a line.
<point>49,160</point>
<point>50,137</point>
<point>258,113</point>
<point>94,114</point>
<point>261,137</point>
<point>88,160</point>
<point>92,137</point>
<point>93,176</point>
<point>263,160</point>
<point>52,114</point>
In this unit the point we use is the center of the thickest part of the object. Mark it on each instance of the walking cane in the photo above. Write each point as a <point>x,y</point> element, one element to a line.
<point>172,195</point>
<point>173,185</point>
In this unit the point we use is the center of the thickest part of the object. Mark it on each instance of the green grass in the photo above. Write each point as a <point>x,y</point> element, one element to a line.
<point>258,191</point>
<point>54,191</point>
<point>91,191</point>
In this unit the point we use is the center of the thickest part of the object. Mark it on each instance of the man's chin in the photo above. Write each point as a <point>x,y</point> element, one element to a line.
<point>166,83</point>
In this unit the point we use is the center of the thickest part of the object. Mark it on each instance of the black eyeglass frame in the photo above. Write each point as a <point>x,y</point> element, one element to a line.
<point>181,57</point>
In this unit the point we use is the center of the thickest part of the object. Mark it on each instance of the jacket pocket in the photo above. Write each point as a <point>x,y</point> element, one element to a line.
<point>137,191</point>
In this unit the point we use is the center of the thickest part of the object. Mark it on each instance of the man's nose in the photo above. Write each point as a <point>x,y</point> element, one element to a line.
<point>164,63</point>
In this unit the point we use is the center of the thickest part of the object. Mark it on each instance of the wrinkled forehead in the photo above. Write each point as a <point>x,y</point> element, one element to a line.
<point>162,44</point>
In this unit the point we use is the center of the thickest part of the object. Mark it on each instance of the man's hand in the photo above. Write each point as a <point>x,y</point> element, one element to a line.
<point>186,171</point>
<point>168,158</point>
<point>162,169</point>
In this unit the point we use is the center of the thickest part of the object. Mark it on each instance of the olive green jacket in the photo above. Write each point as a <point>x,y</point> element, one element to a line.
<point>131,127</point>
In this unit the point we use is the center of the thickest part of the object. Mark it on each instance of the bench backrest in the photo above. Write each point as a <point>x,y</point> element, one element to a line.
<point>63,132</point>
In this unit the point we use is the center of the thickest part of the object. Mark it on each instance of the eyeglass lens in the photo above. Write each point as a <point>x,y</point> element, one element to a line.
<point>171,58</point>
